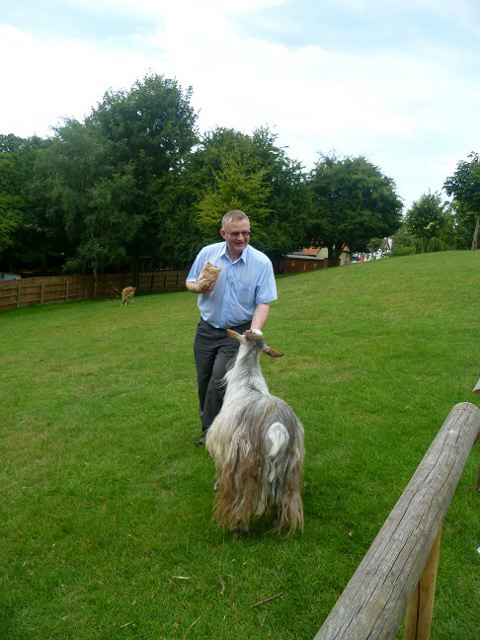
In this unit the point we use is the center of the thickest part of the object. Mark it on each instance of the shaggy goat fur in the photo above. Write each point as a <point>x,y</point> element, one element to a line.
<point>256,442</point>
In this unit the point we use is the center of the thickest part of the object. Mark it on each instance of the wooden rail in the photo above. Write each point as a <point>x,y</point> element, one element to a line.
<point>397,575</point>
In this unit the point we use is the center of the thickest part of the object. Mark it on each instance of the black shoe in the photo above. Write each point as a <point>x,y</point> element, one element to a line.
<point>201,440</point>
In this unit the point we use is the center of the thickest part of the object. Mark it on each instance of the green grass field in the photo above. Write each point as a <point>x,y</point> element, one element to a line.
<point>105,511</point>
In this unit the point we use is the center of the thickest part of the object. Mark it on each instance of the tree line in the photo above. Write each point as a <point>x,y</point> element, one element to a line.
<point>135,185</point>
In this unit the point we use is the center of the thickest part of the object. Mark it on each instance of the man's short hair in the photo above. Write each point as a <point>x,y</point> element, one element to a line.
<point>234,214</point>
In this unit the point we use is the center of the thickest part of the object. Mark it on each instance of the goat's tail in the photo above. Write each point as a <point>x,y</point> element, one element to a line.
<point>283,479</point>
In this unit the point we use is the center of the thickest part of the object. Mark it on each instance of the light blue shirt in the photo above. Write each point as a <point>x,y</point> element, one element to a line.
<point>240,287</point>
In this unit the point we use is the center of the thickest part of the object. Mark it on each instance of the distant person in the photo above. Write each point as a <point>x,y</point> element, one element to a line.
<point>239,299</point>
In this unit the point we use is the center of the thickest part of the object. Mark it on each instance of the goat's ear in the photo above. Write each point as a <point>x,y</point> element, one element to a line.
<point>272,352</point>
<point>233,334</point>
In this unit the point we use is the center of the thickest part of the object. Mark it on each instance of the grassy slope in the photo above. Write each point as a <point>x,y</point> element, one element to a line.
<point>105,527</point>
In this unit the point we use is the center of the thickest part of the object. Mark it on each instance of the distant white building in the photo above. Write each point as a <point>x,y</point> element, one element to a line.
<point>9,276</point>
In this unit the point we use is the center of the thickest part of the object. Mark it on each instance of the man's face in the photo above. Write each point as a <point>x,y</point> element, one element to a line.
<point>236,234</point>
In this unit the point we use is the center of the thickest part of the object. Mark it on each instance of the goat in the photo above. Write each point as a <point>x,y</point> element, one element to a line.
<point>256,442</point>
<point>127,292</point>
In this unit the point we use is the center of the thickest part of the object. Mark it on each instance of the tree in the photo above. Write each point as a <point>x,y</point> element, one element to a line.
<point>461,225</point>
<point>20,237</point>
<point>239,185</point>
<point>11,202</point>
<point>10,219</point>
<point>402,242</point>
<point>223,172</point>
<point>106,227</point>
<point>92,198</point>
<point>464,186</point>
<point>152,124</point>
<point>151,128</point>
<point>352,202</point>
<point>429,224</point>
<point>230,169</point>
<point>284,226</point>
<point>97,183</point>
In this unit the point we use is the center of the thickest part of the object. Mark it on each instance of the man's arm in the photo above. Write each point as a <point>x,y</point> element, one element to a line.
<point>193,287</point>
<point>260,316</point>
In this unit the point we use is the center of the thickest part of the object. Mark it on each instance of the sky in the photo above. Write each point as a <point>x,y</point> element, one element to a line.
<point>397,82</point>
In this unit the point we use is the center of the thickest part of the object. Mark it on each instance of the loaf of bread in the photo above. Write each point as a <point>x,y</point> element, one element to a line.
<point>208,274</point>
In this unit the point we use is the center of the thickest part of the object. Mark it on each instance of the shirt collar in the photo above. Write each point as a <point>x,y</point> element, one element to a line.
<point>243,257</point>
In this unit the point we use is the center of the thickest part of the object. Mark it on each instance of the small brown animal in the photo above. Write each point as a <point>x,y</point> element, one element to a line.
<point>128,292</point>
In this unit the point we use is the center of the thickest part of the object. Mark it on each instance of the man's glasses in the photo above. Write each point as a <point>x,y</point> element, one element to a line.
<point>237,234</point>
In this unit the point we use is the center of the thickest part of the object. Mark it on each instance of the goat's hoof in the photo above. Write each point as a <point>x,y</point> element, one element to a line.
<point>201,440</point>
<point>240,530</point>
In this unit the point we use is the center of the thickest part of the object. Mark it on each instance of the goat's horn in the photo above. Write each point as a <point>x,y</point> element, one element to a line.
<point>233,334</point>
<point>253,334</point>
<point>272,352</point>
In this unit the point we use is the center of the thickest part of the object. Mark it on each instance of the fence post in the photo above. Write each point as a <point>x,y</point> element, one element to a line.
<point>19,292</point>
<point>42,292</point>
<point>418,621</point>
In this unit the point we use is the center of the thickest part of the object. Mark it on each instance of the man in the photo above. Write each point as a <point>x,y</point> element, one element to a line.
<point>239,300</point>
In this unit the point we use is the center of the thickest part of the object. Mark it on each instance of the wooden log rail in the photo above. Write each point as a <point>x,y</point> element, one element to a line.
<point>397,575</point>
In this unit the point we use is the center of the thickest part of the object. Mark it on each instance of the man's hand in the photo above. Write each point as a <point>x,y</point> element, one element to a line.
<point>206,280</point>
<point>208,288</point>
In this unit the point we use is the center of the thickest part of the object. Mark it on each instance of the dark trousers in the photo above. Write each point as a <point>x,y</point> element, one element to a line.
<point>213,350</point>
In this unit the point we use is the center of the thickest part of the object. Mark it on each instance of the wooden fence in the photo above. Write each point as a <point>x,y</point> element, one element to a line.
<point>300,264</point>
<point>397,576</point>
<point>57,289</point>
